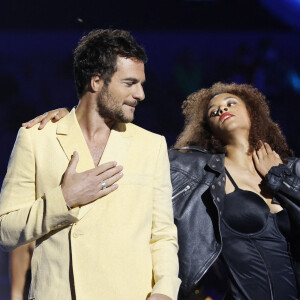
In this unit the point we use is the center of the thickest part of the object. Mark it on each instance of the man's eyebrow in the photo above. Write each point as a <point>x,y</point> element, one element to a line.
<point>134,80</point>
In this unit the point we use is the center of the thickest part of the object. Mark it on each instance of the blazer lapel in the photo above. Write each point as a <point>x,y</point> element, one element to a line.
<point>71,139</point>
<point>117,145</point>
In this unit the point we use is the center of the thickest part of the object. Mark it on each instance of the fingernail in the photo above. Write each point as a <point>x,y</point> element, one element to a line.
<point>115,163</point>
<point>120,174</point>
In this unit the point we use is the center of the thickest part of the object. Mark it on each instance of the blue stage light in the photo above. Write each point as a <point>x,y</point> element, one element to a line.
<point>286,10</point>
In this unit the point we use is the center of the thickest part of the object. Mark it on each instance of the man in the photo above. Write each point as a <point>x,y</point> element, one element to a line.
<point>99,234</point>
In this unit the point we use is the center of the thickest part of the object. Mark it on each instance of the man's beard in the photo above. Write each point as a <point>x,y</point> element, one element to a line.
<point>110,107</point>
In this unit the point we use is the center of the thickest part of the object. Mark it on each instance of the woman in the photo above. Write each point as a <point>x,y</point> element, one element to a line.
<point>249,190</point>
<point>239,198</point>
<point>20,271</point>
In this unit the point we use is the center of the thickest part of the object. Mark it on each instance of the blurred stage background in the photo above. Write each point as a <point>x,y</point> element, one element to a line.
<point>190,44</point>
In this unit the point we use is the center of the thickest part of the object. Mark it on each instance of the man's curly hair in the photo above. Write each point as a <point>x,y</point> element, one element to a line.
<point>96,54</point>
<point>197,131</point>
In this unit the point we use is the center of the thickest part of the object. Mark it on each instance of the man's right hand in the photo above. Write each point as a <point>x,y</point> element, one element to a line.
<point>82,188</point>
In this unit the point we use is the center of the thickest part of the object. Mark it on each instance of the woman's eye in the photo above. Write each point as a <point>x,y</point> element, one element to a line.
<point>213,113</point>
<point>231,103</point>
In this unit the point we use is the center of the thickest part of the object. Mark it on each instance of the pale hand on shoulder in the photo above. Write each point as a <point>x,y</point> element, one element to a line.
<point>53,115</point>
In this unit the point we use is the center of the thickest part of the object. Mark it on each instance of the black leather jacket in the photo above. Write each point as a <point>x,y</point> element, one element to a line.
<point>198,180</point>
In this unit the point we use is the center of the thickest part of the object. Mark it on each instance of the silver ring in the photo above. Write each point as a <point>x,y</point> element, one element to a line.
<point>103,184</point>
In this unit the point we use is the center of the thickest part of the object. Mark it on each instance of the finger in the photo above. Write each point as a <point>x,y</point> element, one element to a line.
<point>111,180</point>
<point>106,191</point>
<point>263,149</point>
<point>49,116</point>
<point>268,148</point>
<point>259,154</point>
<point>61,113</point>
<point>255,158</point>
<point>103,167</point>
<point>34,121</point>
<point>276,154</point>
<point>109,173</point>
<point>73,163</point>
<point>25,124</point>
<point>260,144</point>
<point>56,117</point>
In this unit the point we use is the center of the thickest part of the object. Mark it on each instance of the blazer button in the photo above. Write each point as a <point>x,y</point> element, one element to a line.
<point>218,199</point>
<point>75,235</point>
<point>213,186</point>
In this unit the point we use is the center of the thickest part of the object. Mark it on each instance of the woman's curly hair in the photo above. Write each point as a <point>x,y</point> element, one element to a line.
<point>197,131</point>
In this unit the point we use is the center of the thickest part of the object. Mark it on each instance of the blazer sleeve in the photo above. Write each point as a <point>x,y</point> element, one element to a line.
<point>164,245</point>
<point>23,218</point>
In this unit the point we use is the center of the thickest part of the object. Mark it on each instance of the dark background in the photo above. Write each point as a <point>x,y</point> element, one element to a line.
<point>190,44</point>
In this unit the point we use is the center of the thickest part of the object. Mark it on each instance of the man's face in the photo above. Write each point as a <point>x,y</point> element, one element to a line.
<point>117,100</point>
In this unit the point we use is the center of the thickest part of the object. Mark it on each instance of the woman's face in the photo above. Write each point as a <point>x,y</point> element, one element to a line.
<point>228,115</point>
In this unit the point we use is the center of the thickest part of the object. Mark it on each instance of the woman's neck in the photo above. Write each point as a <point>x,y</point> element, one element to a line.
<point>237,155</point>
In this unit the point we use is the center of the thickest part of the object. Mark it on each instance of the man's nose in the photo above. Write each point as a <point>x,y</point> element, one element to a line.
<point>139,93</point>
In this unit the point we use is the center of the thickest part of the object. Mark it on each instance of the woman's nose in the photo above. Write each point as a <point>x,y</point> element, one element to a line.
<point>222,109</point>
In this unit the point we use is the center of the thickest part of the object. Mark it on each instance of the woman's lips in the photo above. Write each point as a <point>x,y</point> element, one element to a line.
<point>225,117</point>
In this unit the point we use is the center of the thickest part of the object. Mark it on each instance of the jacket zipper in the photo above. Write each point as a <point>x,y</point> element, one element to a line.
<point>182,191</point>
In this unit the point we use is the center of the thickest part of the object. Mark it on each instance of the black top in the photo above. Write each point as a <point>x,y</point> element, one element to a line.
<point>255,248</point>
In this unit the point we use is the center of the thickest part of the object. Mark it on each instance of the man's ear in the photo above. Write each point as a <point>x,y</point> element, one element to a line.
<point>96,83</point>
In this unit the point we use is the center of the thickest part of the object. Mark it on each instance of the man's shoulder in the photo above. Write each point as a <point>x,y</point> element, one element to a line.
<point>139,131</point>
<point>62,126</point>
<point>34,131</point>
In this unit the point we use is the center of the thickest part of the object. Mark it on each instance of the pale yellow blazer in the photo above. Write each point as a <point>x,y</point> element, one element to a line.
<point>122,246</point>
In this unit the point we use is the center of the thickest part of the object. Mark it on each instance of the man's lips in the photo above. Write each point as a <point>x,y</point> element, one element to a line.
<point>225,116</point>
<point>133,104</point>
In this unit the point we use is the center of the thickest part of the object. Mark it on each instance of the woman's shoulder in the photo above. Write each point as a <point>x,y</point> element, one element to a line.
<point>189,159</point>
<point>189,153</point>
